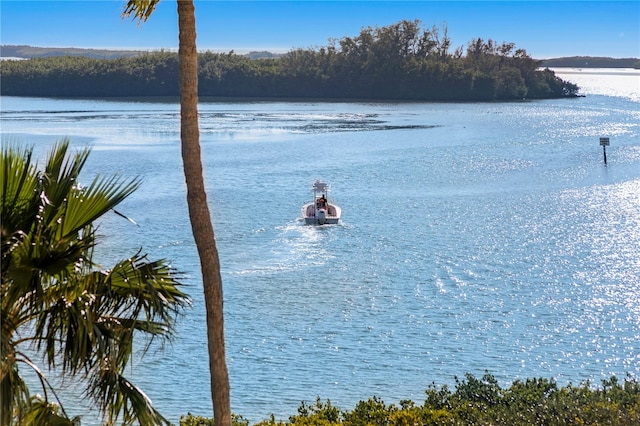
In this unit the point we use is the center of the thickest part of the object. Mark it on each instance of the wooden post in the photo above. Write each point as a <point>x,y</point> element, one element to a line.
<point>604,142</point>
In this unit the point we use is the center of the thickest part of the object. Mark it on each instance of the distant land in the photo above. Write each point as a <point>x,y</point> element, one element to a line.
<point>591,62</point>
<point>27,52</point>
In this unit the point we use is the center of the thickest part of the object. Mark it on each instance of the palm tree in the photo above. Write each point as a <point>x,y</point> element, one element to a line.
<point>56,303</point>
<point>199,215</point>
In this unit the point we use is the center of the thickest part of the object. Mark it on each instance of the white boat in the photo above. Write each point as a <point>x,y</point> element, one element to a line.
<point>321,211</point>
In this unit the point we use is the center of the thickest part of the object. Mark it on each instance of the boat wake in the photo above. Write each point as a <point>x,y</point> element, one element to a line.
<point>293,247</point>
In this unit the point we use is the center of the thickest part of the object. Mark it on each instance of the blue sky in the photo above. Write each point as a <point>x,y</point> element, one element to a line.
<point>544,28</point>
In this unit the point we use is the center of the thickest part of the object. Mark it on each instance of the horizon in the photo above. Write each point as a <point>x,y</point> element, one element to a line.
<point>545,29</point>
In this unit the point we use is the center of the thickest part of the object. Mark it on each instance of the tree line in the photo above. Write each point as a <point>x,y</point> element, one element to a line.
<point>402,61</point>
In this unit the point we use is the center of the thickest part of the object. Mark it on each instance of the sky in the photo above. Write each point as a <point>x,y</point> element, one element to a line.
<point>545,29</point>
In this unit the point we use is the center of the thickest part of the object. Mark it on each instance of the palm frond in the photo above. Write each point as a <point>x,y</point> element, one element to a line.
<point>45,413</point>
<point>15,395</point>
<point>17,196</point>
<point>15,169</point>
<point>19,181</point>
<point>94,316</point>
<point>148,288</point>
<point>61,173</point>
<point>140,9</point>
<point>121,398</point>
<point>83,206</point>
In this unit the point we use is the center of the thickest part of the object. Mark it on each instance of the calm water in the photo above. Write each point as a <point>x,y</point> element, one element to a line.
<point>475,237</point>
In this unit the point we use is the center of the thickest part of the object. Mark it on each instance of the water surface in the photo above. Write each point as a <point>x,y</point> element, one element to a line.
<point>475,237</point>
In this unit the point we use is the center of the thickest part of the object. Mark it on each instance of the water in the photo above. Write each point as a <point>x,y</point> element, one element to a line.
<point>475,236</point>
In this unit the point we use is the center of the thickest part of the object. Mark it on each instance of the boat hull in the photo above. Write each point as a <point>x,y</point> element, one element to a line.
<point>315,216</point>
<point>314,221</point>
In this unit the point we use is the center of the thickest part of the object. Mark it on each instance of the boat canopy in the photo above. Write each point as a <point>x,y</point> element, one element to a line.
<point>319,186</point>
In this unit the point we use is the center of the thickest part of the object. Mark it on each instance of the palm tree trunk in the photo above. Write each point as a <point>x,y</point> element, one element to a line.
<point>199,212</point>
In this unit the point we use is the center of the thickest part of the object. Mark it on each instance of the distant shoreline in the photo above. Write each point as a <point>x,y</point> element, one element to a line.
<point>591,62</point>
<point>596,71</point>
<point>17,52</point>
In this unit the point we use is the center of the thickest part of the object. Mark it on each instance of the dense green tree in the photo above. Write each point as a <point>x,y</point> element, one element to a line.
<point>59,306</point>
<point>400,61</point>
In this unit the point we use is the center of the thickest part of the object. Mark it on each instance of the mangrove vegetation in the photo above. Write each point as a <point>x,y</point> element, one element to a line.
<point>402,61</point>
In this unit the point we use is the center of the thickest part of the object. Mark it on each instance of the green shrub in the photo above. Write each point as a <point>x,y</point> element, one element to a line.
<point>191,420</point>
<point>370,412</point>
<point>479,402</point>
<point>316,415</point>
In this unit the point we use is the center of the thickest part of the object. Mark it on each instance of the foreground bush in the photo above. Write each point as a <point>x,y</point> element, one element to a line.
<point>479,402</point>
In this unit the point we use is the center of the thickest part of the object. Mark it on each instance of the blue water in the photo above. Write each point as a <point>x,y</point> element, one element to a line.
<point>474,237</point>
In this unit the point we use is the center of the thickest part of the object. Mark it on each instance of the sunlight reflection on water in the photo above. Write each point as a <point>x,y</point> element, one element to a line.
<point>475,236</point>
<point>618,82</point>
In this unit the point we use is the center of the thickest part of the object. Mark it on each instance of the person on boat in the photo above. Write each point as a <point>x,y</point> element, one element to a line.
<point>322,202</point>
